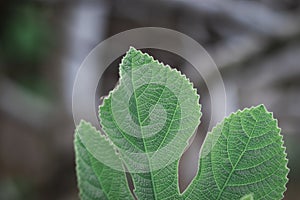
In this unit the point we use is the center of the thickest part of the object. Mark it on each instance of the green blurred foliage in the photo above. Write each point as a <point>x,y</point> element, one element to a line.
<point>26,37</point>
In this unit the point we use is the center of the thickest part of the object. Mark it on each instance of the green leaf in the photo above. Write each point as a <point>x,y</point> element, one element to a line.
<point>150,116</point>
<point>243,157</point>
<point>95,179</point>
<point>148,119</point>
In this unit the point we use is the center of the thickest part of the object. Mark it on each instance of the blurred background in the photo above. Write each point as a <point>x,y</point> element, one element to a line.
<point>255,44</point>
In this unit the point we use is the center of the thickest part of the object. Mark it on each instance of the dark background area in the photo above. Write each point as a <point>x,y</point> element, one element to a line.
<point>255,44</point>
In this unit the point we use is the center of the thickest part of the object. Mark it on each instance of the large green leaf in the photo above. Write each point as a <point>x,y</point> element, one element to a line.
<point>243,157</point>
<point>149,117</point>
<point>95,179</point>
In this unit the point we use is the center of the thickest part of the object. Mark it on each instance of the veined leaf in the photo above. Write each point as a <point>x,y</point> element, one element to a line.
<point>243,157</point>
<point>95,179</point>
<point>149,117</point>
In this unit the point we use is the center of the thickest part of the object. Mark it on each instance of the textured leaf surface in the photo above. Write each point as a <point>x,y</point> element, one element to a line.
<point>150,116</point>
<point>243,157</point>
<point>96,180</point>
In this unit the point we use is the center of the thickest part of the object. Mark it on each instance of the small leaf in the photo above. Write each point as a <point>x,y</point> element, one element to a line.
<point>95,179</point>
<point>242,155</point>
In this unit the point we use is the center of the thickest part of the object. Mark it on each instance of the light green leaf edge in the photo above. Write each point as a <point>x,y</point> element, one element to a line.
<point>247,197</point>
<point>97,181</point>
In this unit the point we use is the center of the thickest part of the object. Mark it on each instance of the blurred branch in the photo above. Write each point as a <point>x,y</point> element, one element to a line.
<point>250,15</point>
<point>284,65</point>
<point>23,105</point>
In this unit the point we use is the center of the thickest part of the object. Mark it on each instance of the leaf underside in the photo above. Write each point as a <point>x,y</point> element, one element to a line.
<point>149,118</point>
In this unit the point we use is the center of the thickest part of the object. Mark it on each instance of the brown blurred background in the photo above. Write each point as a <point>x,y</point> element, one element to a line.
<point>255,44</point>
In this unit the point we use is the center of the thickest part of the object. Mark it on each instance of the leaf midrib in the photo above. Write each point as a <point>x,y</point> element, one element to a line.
<point>79,142</point>
<point>145,146</point>
<point>239,159</point>
<point>104,192</point>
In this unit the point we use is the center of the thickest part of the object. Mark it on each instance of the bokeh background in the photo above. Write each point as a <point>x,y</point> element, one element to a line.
<point>255,44</point>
